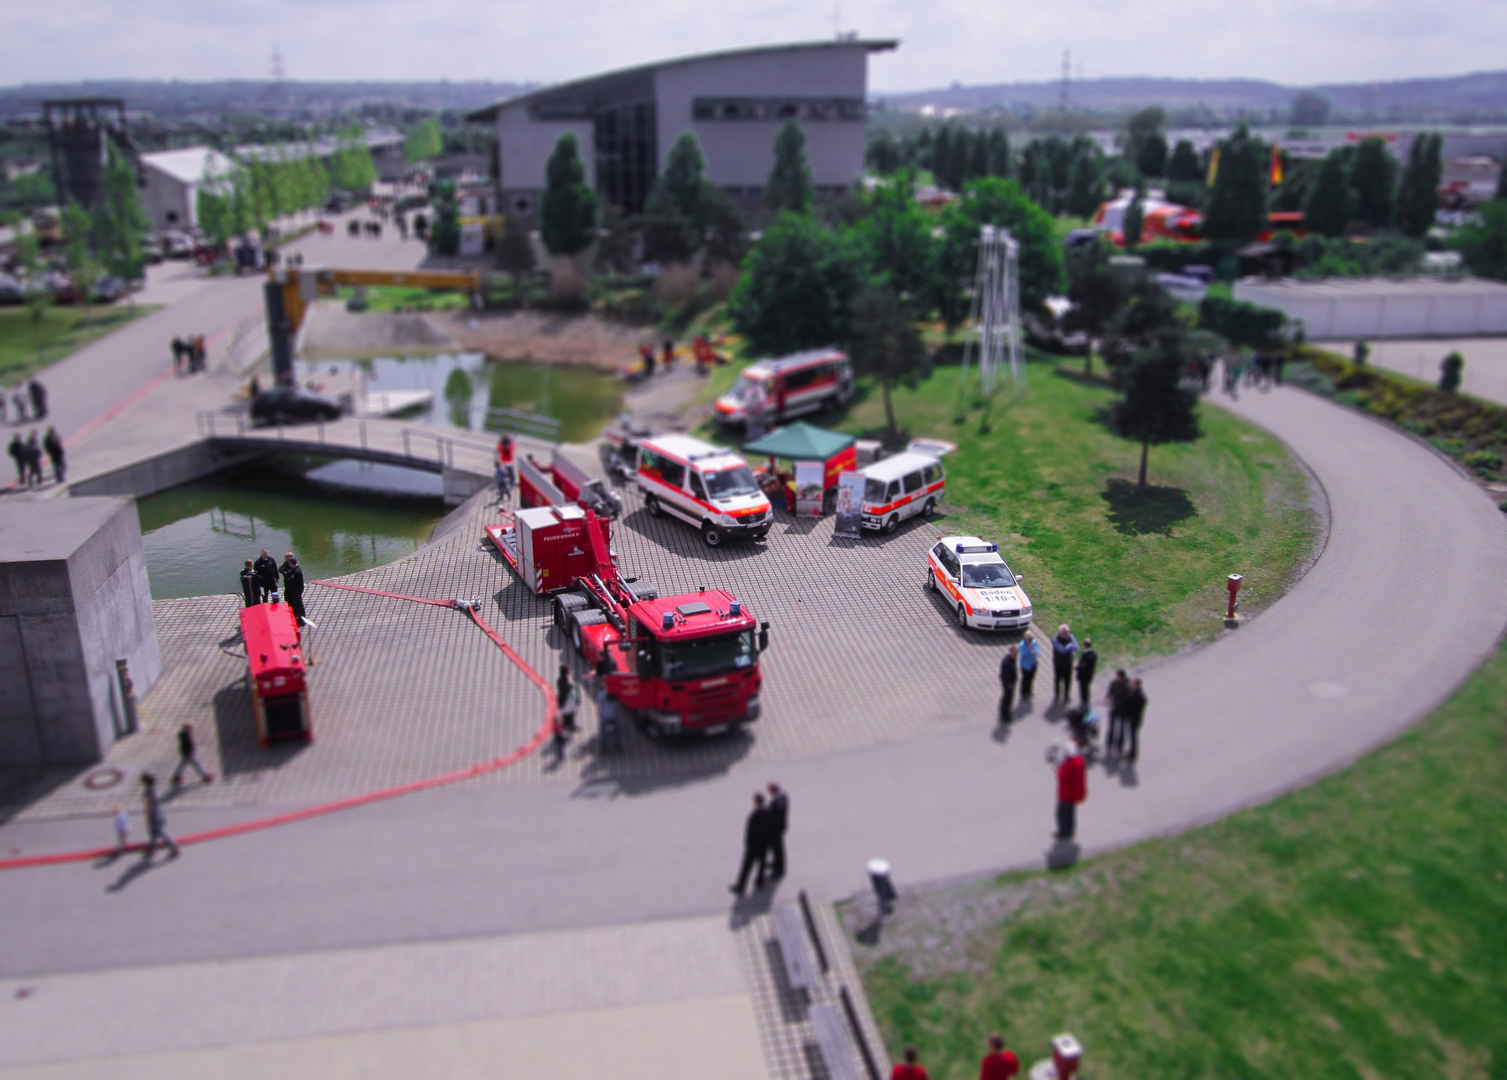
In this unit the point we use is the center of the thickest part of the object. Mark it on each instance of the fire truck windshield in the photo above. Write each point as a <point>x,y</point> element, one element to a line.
<point>703,657</point>
<point>730,483</point>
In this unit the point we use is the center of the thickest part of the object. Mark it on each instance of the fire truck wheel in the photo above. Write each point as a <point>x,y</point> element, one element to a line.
<point>891,523</point>
<point>567,604</point>
<point>651,504</point>
<point>579,619</point>
<point>711,535</point>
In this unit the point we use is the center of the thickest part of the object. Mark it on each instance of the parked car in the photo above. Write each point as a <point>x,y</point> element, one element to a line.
<point>151,248</point>
<point>177,245</point>
<point>973,579</point>
<point>108,289</point>
<point>11,290</point>
<point>292,405</point>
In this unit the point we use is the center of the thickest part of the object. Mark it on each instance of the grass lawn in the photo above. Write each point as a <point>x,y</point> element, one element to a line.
<point>1142,573</point>
<point>1356,928</point>
<point>25,347</point>
<point>404,297</point>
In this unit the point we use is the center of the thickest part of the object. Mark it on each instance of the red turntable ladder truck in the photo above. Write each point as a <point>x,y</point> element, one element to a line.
<point>678,664</point>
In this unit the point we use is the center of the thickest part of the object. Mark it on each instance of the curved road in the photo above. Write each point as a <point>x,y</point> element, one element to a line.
<point>1408,597</point>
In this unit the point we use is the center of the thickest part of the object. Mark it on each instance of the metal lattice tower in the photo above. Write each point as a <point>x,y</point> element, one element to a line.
<point>994,314</point>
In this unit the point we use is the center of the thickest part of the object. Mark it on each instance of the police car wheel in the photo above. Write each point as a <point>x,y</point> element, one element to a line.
<point>711,535</point>
<point>931,581</point>
<point>651,504</point>
<point>962,617</point>
<point>891,523</point>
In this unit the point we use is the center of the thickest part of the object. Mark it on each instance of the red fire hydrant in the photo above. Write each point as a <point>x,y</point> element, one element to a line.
<point>1234,586</point>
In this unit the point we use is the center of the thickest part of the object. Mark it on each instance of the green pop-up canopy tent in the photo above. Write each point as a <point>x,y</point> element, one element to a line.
<point>800,441</point>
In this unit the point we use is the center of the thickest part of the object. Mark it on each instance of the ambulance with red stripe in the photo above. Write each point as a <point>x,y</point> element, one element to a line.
<point>706,486</point>
<point>904,486</point>
<point>788,386</point>
<point>974,580</point>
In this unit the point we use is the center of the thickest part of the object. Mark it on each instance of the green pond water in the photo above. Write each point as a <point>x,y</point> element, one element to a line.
<point>465,384</point>
<point>338,517</point>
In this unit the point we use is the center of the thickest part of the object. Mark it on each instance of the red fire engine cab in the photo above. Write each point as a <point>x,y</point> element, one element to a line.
<point>275,673</point>
<point>677,664</point>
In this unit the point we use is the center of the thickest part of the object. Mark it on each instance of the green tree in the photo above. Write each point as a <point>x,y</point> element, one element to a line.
<point>675,215</point>
<point>789,186</point>
<point>1097,291</point>
<point>423,141</point>
<point>1141,127</point>
<point>616,240</point>
<point>1145,312</point>
<point>83,268</point>
<point>1135,217</point>
<point>1374,178</point>
<point>883,343</point>
<point>1450,369</point>
<point>1236,207</point>
<point>1185,164</point>
<point>1152,160</point>
<point>1418,197</point>
<point>445,234</point>
<point>727,232</point>
<point>515,251</point>
<point>351,165</point>
<point>38,299</point>
<point>568,213</point>
<point>1155,407</point>
<point>993,201</point>
<point>883,152</point>
<point>797,286</point>
<point>120,222</point>
<point>1309,109</point>
<point>998,154</point>
<point>1483,244</point>
<point>1085,189</point>
<point>1332,205</point>
<point>897,236</point>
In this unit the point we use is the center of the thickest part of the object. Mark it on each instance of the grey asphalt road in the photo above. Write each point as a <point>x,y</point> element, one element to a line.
<point>1409,595</point>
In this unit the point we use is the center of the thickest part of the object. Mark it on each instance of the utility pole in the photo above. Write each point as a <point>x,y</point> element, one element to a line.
<point>1067,75</point>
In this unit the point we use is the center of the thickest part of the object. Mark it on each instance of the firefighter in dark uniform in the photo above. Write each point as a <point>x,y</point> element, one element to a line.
<point>293,586</point>
<point>266,573</point>
<point>251,585</point>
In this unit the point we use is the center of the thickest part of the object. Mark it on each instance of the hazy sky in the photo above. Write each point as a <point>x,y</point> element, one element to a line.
<point>942,41</point>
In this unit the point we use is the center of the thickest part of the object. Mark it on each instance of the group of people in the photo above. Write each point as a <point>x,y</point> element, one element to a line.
<point>190,354</point>
<point>1260,369</point>
<point>1125,697</point>
<point>27,454</point>
<point>152,813</point>
<point>568,698</point>
<point>666,358</point>
<point>1000,1063</point>
<point>27,400</point>
<point>259,582</point>
<point>764,839</point>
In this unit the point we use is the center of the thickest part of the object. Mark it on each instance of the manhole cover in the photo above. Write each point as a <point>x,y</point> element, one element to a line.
<point>1328,690</point>
<point>103,779</point>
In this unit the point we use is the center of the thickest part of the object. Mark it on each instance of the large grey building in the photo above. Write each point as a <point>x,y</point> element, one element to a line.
<point>733,101</point>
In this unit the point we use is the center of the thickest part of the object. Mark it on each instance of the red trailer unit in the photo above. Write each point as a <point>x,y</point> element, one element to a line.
<point>563,482</point>
<point>275,673</point>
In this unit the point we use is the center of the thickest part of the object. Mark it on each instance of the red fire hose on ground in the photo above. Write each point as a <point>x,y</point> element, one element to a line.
<point>511,758</point>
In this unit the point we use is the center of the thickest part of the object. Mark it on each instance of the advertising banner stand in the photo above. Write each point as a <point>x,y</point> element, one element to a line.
<point>808,488</point>
<point>849,522</point>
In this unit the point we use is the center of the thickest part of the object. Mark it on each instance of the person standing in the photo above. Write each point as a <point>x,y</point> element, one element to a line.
<point>1064,646</point>
<point>1007,676</point>
<point>1028,660</point>
<point>567,699</point>
<point>18,455</point>
<point>779,821</point>
<point>53,444</point>
<point>908,1069</point>
<point>33,461</point>
<point>1119,686</point>
<point>1072,789</point>
<point>250,585</point>
<point>266,574</point>
<point>38,400</point>
<point>177,347</point>
<point>188,758</point>
<point>609,723</point>
<point>122,822</point>
<point>156,820</point>
<point>1135,712</point>
<point>293,587</point>
<point>756,833</point>
<point>646,354</point>
<point>1088,663</point>
<point>998,1063</point>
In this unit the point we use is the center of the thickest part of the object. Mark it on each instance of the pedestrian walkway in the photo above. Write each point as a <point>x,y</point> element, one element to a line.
<point>1485,374</point>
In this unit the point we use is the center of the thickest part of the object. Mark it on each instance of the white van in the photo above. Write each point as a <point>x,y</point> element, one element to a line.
<point>899,487</point>
<point>707,486</point>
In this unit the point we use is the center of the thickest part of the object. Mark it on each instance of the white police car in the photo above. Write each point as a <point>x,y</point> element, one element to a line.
<point>973,578</point>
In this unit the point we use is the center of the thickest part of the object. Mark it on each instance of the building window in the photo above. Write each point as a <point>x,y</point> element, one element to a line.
<point>777,108</point>
<point>626,150</point>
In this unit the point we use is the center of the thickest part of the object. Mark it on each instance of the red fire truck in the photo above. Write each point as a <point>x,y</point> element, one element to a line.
<point>275,673</point>
<point>677,664</point>
<point>562,481</point>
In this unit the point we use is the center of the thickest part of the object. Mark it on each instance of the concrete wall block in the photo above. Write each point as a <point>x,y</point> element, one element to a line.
<point>35,587</point>
<point>60,691</point>
<point>20,742</point>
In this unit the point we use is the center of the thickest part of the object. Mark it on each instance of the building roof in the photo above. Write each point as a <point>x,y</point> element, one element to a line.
<point>800,441</point>
<point>869,44</point>
<point>191,164</point>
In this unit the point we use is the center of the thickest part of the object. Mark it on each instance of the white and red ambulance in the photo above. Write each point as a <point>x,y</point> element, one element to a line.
<point>903,486</point>
<point>788,386</point>
<point>975,581</point>
<point>707,486</point>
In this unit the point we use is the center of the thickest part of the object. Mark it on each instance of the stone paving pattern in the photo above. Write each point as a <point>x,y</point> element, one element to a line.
<point>399,691</point>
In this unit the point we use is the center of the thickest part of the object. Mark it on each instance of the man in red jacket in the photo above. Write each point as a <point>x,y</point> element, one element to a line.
<point>998,1063</point>
<point>1072,789</point>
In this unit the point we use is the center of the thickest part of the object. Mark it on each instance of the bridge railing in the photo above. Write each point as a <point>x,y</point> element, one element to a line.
<point>419,444</point>
<point>535,425</point>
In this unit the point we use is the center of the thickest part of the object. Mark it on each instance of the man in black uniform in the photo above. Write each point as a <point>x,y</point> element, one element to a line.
<point>1119,686</point>
<point>755,846</point>
<point>293,586</point>
<point>779,821</point>
<point>1135,712</point>
<point>188,758</point>
<point>1088,660</point>
<point>1007,676</point>
<point>250,585</point>
<point>38,400</point>
<point>266,574</point>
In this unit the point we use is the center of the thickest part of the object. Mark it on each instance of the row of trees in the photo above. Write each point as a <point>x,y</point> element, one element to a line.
<point>1360,185</point>
<point>251,195</point>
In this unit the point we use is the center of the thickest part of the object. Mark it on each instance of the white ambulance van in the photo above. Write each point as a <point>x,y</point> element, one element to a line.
<point>707,486</point>
<point>903,486</point>
<point>788,386</point>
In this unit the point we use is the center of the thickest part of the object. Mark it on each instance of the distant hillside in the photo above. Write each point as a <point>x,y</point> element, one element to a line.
<point>1461,98</point>
<point>182,100</point>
